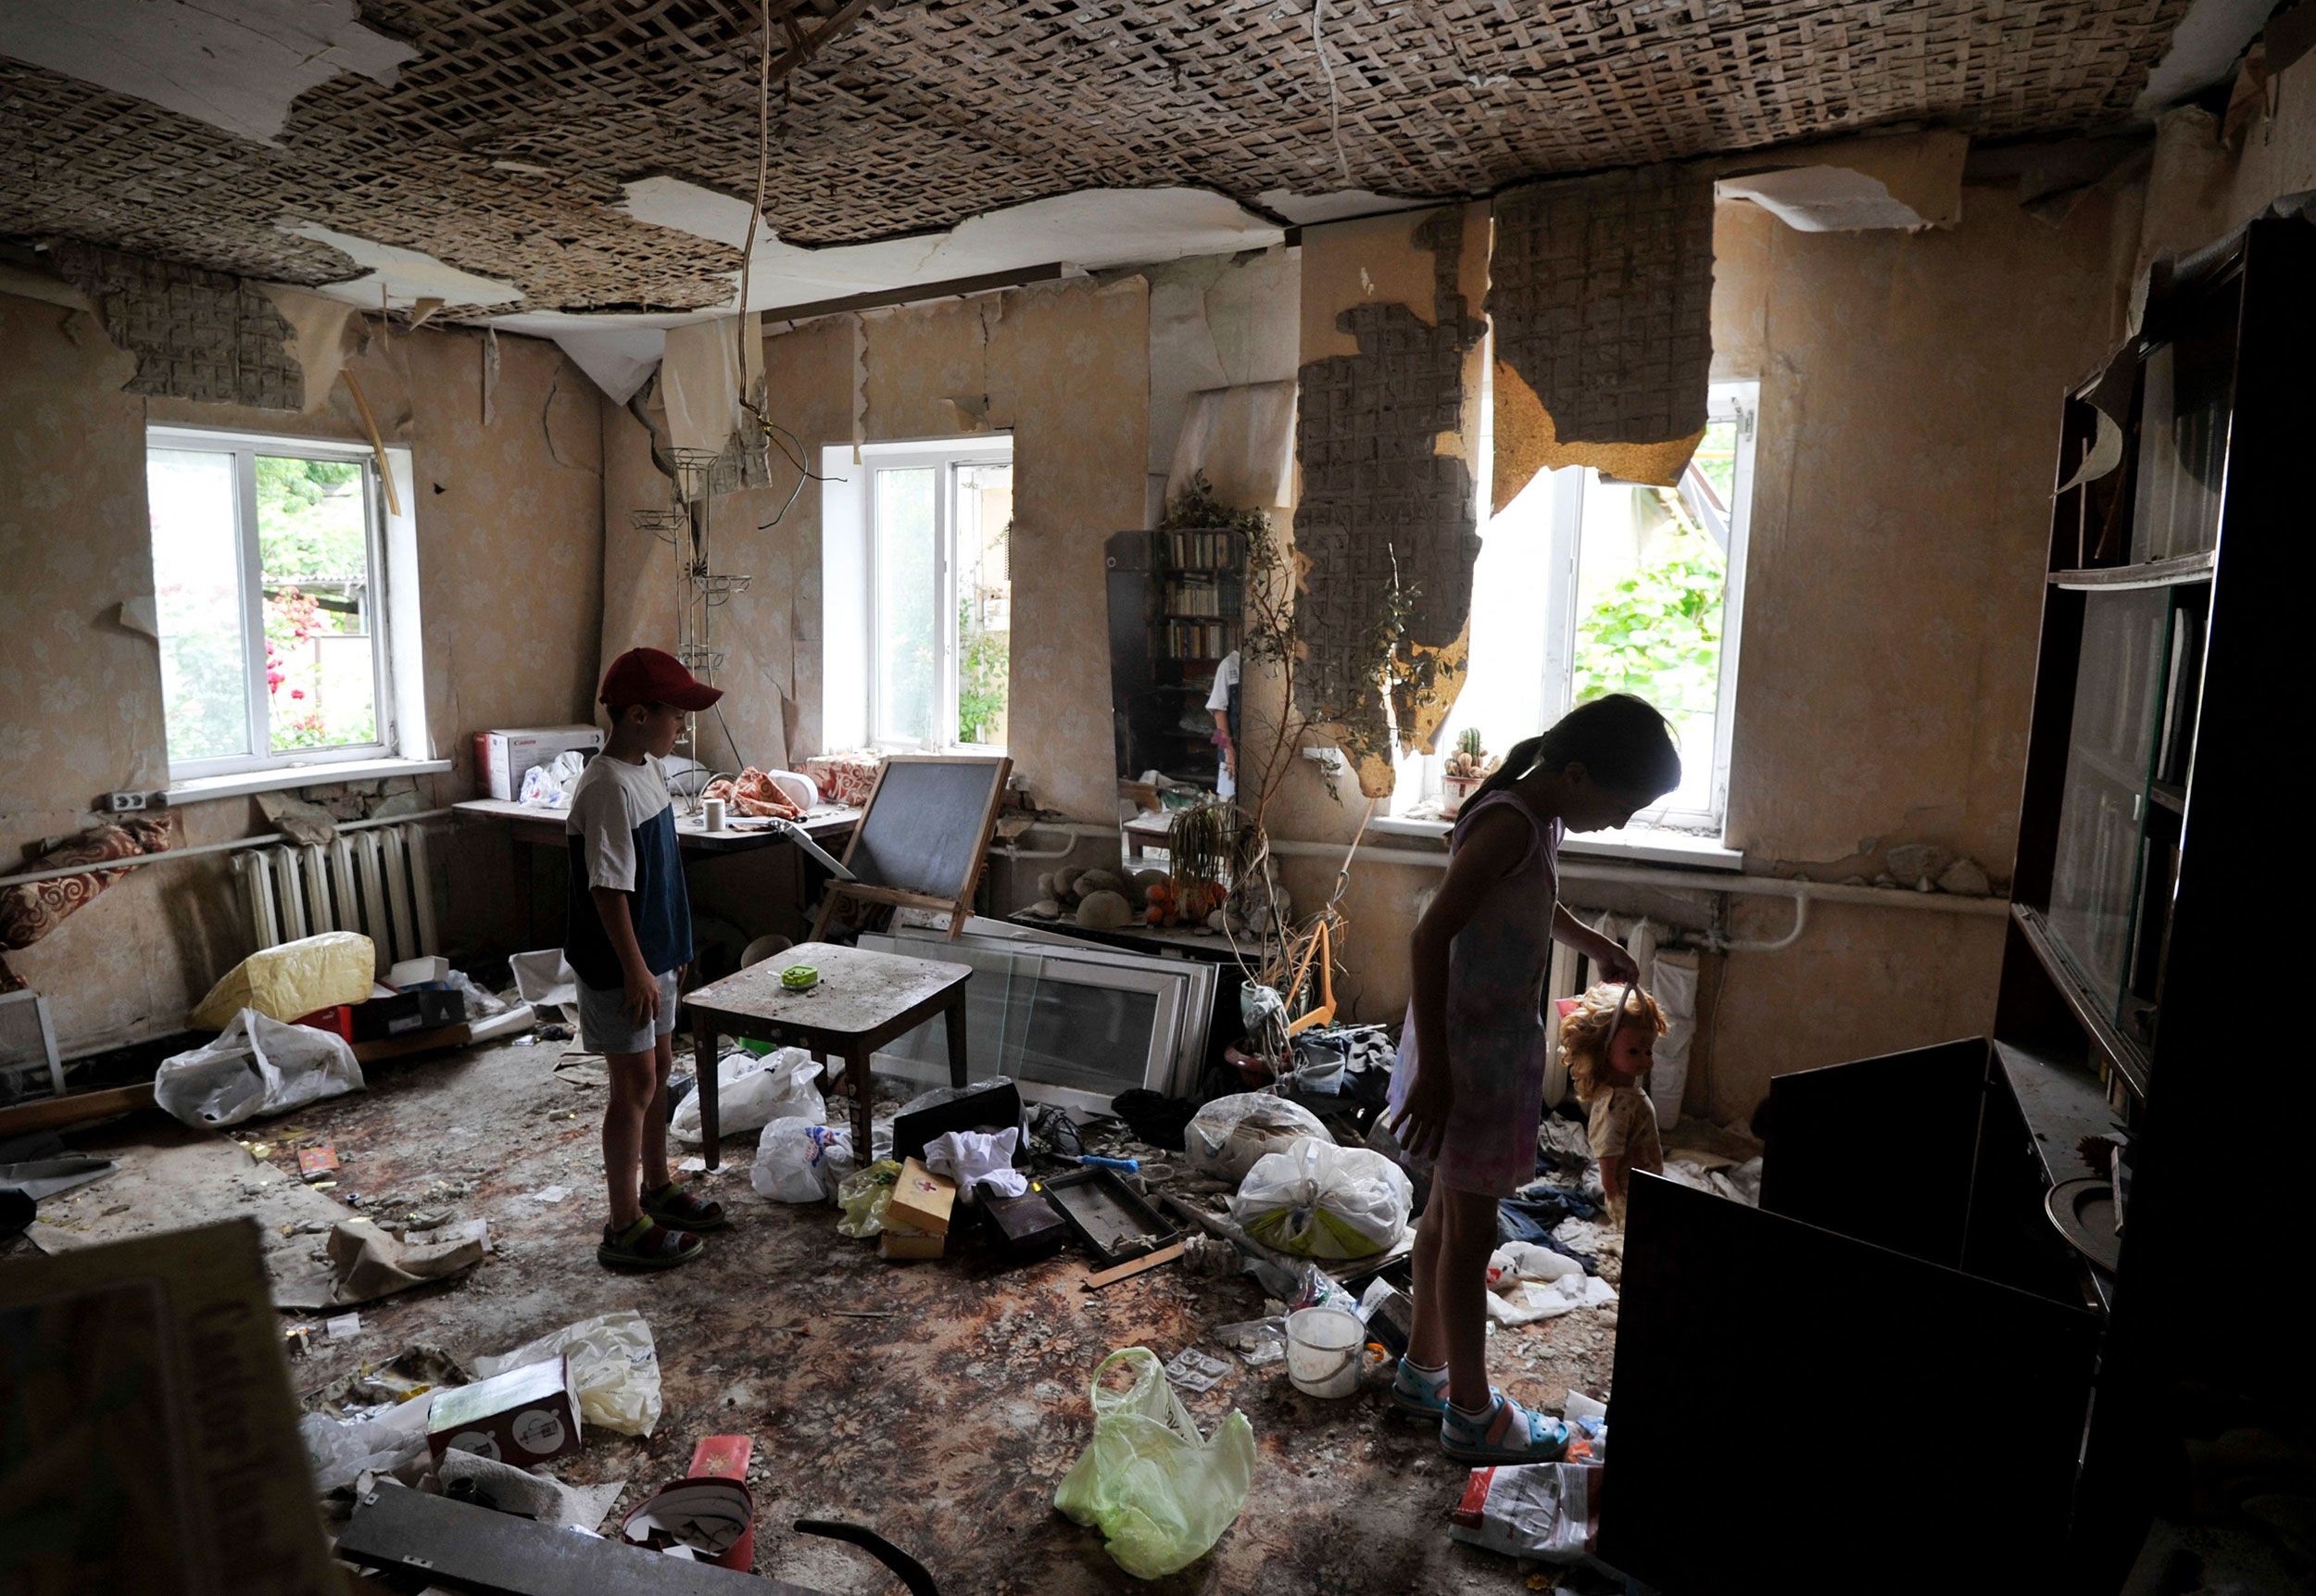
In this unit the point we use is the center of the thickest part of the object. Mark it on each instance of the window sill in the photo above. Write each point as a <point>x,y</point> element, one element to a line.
<point>200,789</point>
<point>1636,843</point>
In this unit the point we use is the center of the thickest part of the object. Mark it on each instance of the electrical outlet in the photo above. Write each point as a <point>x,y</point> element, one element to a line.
<point>122,803</point>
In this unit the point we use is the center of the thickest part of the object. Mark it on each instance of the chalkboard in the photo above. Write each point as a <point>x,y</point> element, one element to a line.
<point>928,825</point>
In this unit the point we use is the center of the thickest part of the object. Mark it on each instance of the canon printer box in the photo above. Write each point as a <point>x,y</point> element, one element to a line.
<point>501,758</point>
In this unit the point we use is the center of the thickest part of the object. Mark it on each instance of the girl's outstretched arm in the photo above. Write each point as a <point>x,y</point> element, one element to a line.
<point>1494,846</point>
<point>1614,962</point>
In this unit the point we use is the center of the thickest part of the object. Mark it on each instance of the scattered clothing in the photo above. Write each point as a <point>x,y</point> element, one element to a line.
<point>1539,1211</point>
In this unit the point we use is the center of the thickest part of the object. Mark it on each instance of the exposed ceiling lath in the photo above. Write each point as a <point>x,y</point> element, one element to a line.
<point>501,146</point>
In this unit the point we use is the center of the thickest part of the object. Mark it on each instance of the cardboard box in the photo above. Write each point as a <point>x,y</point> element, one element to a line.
<point>420,1009</point>
<point>423,971</point>
<point>154,1439</point>
<point>921,1201</point>
<point>523,1416</point>
<point>910,1244</point>
<point>502,757</point>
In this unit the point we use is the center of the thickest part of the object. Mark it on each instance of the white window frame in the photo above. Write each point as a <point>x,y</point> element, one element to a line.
<point>1728,401</point>
<point>848,592</point>
<point>390,547</point>
<point>1738,402</point>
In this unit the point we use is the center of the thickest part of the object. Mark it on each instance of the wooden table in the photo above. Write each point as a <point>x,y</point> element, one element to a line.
<point>862,1001</point>
<point>544,827</point>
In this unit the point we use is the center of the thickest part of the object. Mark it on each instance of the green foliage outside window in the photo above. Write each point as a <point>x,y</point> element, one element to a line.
<point>1657,633</point>
<point>984,665</point>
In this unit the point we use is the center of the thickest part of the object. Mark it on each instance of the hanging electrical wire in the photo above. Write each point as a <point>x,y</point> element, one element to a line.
<point>1334,111</point>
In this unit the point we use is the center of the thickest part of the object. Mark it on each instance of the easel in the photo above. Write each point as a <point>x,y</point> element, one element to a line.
<point>938,896</point>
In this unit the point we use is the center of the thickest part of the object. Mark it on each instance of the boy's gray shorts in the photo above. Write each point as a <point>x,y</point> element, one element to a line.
<point>604,1026</point>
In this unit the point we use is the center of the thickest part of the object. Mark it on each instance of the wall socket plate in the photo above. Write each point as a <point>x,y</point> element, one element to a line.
<point>125,802</point>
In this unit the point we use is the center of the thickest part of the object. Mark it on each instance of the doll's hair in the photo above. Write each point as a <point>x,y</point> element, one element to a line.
<point>1584,1031</point>
<point>1621,740</point>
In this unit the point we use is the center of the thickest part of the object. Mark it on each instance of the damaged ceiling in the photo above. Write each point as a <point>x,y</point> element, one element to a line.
<point>500,143</point>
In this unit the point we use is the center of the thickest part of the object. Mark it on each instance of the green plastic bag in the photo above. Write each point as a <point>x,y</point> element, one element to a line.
<point>1160,1494</point>
<point>864,1195</point>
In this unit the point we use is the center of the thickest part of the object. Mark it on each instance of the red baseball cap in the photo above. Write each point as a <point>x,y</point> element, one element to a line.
<point>649,676</point>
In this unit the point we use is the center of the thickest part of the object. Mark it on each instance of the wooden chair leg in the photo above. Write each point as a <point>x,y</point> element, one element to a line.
<point>856,1074</point>
<point>954,1018</point>
<point>704,1080</point>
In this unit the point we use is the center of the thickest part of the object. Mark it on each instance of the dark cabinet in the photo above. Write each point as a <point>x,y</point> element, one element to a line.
<point>1897,1365</point>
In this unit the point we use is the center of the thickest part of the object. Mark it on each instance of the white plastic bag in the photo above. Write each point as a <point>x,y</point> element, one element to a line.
<point>340,1450</point>
<point>1160,1493</point>
<point>970,1157</point>
<point>802,1160</point>
<point>752,1093</point>
<point>1548,1510</point>
<point>255,1066</point>
<point>1325,1202</point>
<point>1227,1137</point>
<point>613,1362</point>
<point>544,977</point>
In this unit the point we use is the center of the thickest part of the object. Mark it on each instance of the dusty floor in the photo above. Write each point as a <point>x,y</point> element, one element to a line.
<point>945,1427</point>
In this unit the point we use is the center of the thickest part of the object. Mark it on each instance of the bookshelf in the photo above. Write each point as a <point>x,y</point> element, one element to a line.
<point>1176,601</point>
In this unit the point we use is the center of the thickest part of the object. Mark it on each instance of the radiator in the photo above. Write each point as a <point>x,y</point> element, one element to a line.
<point>377,881</point>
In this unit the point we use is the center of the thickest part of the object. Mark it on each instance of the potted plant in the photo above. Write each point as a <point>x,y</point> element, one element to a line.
<point>1466,768</point>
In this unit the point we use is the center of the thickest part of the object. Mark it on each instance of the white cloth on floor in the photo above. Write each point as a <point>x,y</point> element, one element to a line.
<point>972,1157</point>
<point>1533,1300</point>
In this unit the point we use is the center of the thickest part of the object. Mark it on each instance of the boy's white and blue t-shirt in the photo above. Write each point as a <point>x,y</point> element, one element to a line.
<point>622,831</point>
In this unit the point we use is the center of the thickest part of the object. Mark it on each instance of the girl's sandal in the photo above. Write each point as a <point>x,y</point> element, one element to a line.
<point>681,1209</point>
<point>647,1245</point>
<point>1505,1433</point>
<point>1420,1392</point>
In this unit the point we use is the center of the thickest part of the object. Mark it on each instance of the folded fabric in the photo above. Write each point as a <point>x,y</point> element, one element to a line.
<point>973,1157</point>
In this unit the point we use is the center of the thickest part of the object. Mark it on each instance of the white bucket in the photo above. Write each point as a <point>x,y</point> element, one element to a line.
<point>1323,1348</point>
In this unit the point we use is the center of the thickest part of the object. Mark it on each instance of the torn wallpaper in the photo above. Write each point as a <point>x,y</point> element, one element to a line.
<point>1602,297</point>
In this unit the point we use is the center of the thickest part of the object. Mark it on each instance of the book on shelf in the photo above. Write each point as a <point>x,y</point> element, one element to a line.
<point>1193,596</point>
<point>1189,548</point>
<point>1199,639</point>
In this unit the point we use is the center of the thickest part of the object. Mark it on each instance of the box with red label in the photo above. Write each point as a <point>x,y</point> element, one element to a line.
<point>523,1416</point>
<point>338,1020</point>
<point>921,1201</point>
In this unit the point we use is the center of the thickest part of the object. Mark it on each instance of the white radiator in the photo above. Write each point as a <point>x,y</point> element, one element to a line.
<point>377,881</point>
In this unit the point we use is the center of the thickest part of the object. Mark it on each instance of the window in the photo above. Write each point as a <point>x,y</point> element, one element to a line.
<point>918,590</point>
<point>269,578</point>
<point>1586,586</point>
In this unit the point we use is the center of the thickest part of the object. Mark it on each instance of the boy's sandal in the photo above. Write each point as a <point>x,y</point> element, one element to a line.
<point>1505,1433</point>
<point>647,1245</point>
<point>673,1205</point>
<point>1420,1391</point>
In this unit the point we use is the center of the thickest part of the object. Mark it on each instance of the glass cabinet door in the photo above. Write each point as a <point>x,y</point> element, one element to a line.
<point>2118,683</point>
<point>2187,399</point>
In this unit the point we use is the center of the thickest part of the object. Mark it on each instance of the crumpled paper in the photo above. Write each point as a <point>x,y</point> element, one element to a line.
<point>366,1263</point>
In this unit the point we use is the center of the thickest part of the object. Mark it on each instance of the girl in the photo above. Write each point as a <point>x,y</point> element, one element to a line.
<point>1468,1091</point>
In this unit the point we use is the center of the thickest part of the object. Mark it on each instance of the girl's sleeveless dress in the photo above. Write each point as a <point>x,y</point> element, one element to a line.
<point>1496,970</point>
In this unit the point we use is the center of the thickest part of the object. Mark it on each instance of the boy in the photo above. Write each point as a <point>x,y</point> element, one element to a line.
<point>628,938</point>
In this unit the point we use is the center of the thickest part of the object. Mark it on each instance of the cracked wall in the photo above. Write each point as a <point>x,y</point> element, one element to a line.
<point>510,570</point>
<point>1384,445</point>
<point>1064,368</point>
